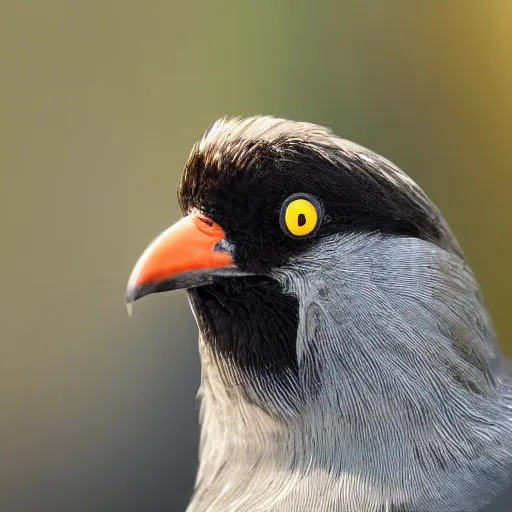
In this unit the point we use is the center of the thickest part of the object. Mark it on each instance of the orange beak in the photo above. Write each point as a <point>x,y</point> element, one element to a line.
<point>186,255</point>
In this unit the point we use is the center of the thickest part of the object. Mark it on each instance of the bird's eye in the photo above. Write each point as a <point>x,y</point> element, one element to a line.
<point>301,215</point>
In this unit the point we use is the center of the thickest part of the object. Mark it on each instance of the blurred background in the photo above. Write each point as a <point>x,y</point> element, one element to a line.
<point>100,104</point>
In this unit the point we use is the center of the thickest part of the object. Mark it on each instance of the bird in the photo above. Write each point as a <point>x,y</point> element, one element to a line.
<point>348,360</point>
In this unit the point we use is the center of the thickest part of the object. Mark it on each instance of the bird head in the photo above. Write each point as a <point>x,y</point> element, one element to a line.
<point>258,192</point>
<point>279,215</point>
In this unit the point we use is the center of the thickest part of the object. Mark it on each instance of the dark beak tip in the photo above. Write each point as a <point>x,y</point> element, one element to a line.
<point>133,294</point>
<point>136,292</point>
<point>129,298</point>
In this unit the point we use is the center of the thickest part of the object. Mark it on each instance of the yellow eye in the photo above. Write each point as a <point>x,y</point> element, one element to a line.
<point>301,215</point>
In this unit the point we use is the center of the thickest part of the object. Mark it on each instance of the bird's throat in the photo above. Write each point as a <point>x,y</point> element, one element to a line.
<point>249,327</point>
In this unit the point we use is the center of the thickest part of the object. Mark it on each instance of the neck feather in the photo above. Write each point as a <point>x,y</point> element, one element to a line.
<point>380,388</point>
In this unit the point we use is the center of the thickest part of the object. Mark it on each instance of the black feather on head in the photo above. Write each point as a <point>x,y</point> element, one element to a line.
<point>244,169</point>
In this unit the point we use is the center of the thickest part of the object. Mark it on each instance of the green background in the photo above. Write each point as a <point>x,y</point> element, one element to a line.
<point>100,104</point>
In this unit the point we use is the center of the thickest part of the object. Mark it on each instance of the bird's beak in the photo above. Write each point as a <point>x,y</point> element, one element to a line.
<point>193,252</point>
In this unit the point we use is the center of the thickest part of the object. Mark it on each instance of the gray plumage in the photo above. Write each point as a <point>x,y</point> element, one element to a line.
<point>407,395</point>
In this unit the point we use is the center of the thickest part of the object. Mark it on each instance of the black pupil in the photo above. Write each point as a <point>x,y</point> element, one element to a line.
<point>301,220</point>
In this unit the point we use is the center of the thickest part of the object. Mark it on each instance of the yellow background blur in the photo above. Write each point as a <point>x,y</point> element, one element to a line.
<point>100,104</point>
